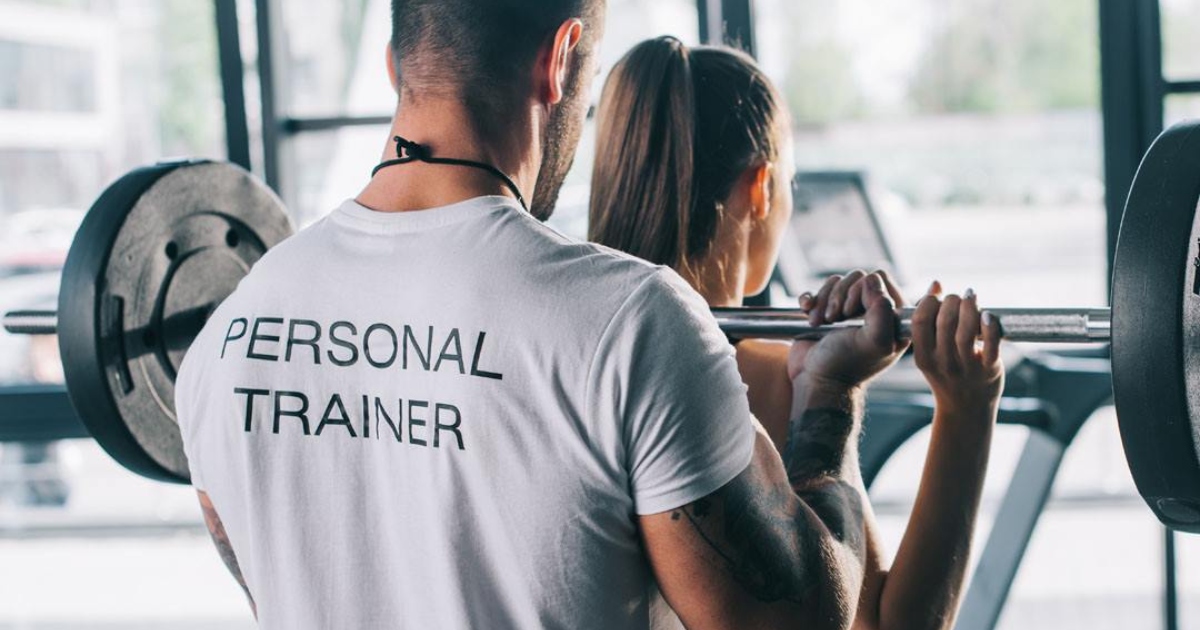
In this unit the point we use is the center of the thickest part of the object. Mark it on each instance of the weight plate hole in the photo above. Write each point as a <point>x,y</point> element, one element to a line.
<point>172,250</point>
<point>232,239</point>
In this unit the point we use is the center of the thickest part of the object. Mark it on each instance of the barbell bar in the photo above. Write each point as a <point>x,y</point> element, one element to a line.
<point>163,246</point>
<point>1039,325</point>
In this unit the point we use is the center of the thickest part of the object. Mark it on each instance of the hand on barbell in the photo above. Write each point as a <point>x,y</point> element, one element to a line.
<point>851,357</point>
<point>958,351</point>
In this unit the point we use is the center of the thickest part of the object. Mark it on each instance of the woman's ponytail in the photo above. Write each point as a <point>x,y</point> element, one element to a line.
<point>644,178</point>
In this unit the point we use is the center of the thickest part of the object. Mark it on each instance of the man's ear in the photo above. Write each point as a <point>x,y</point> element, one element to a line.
<point>555,63</point>
<point>761,179</point>
<point>391,68</point>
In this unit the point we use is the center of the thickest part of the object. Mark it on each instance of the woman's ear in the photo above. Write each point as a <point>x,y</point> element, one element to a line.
<point>761,179</point>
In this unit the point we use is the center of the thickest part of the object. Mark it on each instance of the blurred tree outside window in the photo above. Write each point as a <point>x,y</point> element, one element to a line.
<point>1181,46</point>
<point>978,122</point>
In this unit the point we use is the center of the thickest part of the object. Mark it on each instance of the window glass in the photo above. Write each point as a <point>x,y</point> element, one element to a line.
<point>978,124</point>
<point>336,65</point>
<point>89,90</point>
<point>1187,548</point>
<point>1181,49</point>
<point>1181,107</point>
<point>334,58</point>
<point>49,78</point>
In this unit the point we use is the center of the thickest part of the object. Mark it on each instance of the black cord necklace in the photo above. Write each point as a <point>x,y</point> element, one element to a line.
<point>408,151</point>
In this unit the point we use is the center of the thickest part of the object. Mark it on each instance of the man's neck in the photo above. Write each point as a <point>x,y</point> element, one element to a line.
<point>446,129</point>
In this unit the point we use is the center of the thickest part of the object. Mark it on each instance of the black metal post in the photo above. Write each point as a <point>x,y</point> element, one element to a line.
<point>709,12</point>
<point>229,47</point>
<point>1132,90</point>
<point>729,22</point>
<point>271,128</point>
<point>1170,586</point>
<point>38,413</point>
<point>292,126</point>
<point>738,16</point>
<point>1182,87</point>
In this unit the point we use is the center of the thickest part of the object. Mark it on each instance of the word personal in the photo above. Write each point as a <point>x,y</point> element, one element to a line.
<point>345,344</point>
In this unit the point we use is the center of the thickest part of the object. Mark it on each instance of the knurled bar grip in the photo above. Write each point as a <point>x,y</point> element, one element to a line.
<point>31,322</point>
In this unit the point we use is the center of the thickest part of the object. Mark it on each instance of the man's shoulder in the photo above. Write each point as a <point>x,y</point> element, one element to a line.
<point>294,260</point>
<point>569,260</point>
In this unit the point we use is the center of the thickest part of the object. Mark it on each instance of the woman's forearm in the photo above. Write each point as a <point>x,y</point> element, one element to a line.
<point>925,583</point>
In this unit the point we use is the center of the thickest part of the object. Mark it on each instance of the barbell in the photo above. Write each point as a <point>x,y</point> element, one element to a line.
<point>164,245</point>
<point>1034,325</point>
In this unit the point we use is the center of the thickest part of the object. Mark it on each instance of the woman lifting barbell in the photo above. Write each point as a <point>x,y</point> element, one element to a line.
<point>693,171</point>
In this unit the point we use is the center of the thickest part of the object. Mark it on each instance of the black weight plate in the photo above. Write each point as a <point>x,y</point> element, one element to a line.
<point>1156,328</point>
<point>159,250</point>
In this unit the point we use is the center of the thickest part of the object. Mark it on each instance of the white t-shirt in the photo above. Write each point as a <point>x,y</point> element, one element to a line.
<point>451,418</point>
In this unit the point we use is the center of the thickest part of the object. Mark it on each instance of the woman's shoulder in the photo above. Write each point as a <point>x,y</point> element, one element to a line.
<point>769,351</point>
<point>763,361</point>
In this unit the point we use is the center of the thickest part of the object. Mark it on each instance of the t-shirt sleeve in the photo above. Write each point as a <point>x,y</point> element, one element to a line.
<point>669,376</point>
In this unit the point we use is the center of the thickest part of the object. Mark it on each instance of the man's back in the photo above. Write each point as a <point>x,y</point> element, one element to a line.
<point>451,418</point>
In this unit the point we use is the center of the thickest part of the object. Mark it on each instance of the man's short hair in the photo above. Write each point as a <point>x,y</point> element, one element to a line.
<point>475,48</point>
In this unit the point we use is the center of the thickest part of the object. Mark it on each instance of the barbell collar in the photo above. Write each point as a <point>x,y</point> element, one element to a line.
<point>1040,325</point>
<point>31,322</point>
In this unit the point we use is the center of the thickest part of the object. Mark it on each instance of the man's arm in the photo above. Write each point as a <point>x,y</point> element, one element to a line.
<point>783,545</point>
<point>779,545</point>
<point>217,530</point>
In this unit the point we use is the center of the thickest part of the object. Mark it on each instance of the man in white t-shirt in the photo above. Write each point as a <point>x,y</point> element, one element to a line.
<point>428,410</point>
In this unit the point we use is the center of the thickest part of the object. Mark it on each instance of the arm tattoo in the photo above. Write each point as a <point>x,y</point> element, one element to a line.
<point>817,466</point>
<point>774,537</point>
<point>745,532</point>
<point>816,445</point>
<point>221,539</point>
